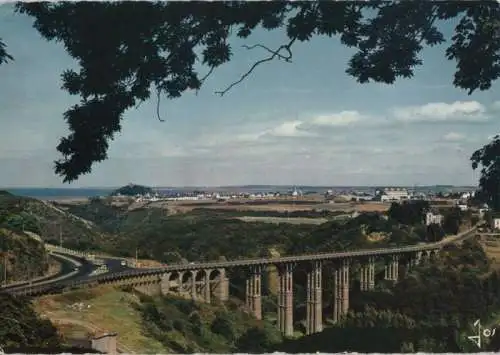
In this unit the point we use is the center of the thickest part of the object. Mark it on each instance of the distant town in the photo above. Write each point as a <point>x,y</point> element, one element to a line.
<point>387,194</point>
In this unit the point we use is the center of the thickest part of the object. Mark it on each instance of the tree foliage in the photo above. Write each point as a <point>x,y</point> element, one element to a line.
<point>408,212</point>
<point>488,157</point>
<point>146,46</point>
<point>21,327</point>
<point>4,56</point>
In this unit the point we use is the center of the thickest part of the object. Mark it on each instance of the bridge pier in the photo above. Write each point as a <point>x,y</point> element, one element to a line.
<point>426,257</point>
<point>363,277</point>
<point>253,291</point>
<point>345,286</point>
<point>415,260</point>
<point>392,268</point>
<point>341,290</point>
<point>165,283</point>
<point>194,292</point>
<point>367,274</point>
<point>314,322</point>
<point>371,273</point>
<point>285,300</point>
<point>206,286</point>
<point>222,289</point>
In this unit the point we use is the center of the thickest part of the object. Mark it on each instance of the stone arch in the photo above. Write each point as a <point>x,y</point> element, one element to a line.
<point>433,254</point>
<point>173,276</point>
<point>214,274</point>
<point>200,276</point>
<point>186,280</point>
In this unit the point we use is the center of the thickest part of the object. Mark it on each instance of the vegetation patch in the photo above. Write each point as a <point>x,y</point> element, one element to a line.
<point>21,257</point>
<point>105,309</point>
<point>188,327</point>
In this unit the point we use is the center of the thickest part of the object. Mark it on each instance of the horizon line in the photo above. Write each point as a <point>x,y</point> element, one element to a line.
<point>223,186</point>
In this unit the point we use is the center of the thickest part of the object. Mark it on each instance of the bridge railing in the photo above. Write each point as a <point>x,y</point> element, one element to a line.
<point>51,287</point>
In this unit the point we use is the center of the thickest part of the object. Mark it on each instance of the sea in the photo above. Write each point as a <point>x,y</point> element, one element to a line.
<point>59,193</point>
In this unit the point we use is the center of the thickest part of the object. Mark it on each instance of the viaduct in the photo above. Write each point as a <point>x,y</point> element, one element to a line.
<point>208,282</point>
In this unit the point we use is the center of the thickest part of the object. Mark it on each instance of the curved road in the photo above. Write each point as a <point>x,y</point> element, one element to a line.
<point>83,271</point>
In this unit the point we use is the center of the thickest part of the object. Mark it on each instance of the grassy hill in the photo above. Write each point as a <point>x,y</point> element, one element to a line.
<point>19,214</point>
<point>21,257</point>
<point>154,324</point>
<point>22,330</point>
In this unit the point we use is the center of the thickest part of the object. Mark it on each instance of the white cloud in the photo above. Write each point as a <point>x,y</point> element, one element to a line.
<point>453,136</point>
<point>458,111</point>
<point>343,118</point>
<point>289,129</point>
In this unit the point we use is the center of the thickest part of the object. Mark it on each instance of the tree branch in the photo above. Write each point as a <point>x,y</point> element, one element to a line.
<point>158,99</point>
<point>205,77</point>
<point>286,58</point>
<point>274,54</point>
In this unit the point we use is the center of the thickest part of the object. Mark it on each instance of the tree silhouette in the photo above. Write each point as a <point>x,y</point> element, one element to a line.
<point>129,50</point>
<point>488,157</point>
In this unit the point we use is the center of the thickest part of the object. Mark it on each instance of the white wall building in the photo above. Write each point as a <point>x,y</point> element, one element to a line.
<point>431,218</point>
<point>496,223</point>
<point>394,194</point>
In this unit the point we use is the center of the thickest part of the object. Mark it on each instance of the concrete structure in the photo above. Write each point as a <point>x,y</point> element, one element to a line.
<point>209,282</point>
<point>105,343</point>
<point>496,223</point>
<point>394,194</point>
<point>431,218</point>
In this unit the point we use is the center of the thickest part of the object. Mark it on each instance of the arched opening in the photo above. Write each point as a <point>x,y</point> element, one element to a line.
<point>186,281</point>
<point>174,281</point>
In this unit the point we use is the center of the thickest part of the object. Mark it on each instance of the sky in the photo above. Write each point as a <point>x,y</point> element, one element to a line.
<point>300,123</point>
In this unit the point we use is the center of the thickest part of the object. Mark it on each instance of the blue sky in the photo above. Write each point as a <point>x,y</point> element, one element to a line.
<point>304,123</point>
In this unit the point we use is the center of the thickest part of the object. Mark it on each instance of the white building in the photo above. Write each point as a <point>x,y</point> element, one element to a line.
<point>482,211</point>
<point>394,194</point>
<point>496,223</point>
<point>431,218</point>
<point>463,207</point>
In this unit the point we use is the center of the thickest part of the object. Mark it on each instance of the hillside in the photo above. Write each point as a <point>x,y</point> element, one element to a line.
<point>205,235</point>
<point>20,214</point>
<point>22,256</point>
<point>22,330</point>
<point>132,190</point>
<point>158,324</point>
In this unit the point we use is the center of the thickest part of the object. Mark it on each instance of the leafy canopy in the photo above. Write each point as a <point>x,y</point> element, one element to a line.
<point>128,50</point>
<point>488,157</point>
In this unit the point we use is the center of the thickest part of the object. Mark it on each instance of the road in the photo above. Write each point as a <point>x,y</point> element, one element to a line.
<point>114,265</point>
<point>83,271</point>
